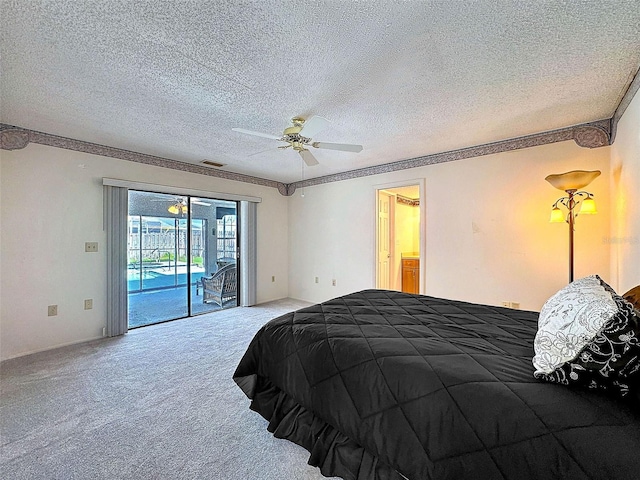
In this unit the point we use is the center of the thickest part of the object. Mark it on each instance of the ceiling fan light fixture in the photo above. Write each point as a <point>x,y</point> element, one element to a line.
<point>178,208</point>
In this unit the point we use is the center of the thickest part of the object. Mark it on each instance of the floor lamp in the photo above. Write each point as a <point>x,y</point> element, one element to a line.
<point>571,183</point>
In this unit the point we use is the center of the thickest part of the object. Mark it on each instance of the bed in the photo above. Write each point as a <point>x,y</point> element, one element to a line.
<point>386,385</point>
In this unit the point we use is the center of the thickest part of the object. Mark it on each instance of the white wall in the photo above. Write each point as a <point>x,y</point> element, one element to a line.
<point>51,203</point>
<point>625,193</point>
<point>488,238</point>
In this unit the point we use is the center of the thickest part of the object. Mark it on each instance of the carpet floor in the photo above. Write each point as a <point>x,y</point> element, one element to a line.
<point>157,403</point>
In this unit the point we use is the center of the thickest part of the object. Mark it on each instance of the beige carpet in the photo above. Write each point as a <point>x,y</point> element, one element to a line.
<point>157,403</point>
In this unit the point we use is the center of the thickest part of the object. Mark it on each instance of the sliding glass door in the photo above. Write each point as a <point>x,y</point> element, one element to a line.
<point>173,243</point>
<point>213,246</point>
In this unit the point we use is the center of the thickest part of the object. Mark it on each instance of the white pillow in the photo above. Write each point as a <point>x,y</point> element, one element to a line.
<point>569,320</point>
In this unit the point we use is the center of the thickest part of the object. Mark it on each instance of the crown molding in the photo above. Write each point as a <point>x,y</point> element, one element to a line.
<point>588,135</point>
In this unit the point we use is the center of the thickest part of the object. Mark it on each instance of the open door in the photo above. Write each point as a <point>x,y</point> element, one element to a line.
<point>385,243</point>
<point>398,233</point>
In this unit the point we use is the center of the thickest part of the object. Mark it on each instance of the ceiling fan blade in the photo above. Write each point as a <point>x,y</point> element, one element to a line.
<point>344,147</point>
<point>160,197</point>
<point>272,149</point>
<point>314,125</point>
<point>257,134</point>
<point>308,158</point>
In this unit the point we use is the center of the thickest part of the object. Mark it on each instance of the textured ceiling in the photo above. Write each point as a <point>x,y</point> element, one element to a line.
<point>402,78</point>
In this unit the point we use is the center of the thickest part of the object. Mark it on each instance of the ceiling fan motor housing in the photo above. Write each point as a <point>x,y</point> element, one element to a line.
<point>292,134</point>
<point>297,141</point>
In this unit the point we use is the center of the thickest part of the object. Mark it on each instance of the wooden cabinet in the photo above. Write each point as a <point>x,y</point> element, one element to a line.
<point>411,275</point>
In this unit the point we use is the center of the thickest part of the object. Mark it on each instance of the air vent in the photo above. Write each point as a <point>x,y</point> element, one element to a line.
<point>213,164</point>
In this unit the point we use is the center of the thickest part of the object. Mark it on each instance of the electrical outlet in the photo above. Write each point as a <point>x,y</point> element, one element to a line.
<point>317,280</point>
<point>52,310</point>
<point>88,304</point>
<point>333,282</point>
<point>273,278</point>
<point>90,246</point>
<point>514,305</point>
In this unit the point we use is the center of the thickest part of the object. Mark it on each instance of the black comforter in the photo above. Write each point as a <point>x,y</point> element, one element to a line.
<point>386,385</point>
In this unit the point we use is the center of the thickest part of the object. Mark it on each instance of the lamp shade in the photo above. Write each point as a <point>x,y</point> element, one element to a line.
<point>572,180</point>
<point>556,215</point>
<point>588,206</point>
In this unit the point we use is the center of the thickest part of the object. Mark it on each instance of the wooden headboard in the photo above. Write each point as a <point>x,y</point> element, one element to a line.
<point>633,296</point>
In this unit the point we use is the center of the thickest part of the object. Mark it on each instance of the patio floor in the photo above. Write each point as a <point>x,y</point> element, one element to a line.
<point>154,306</point>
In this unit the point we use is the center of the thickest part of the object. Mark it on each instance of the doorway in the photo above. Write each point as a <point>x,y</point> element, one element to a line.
<point>173,242</point>
<point>398,233</point>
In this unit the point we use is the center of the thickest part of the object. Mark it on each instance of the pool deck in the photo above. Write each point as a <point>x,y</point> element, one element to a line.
<point>160,301</point>
<point>155,306</point>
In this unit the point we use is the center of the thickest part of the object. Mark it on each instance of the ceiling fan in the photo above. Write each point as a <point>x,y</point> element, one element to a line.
<point>181,205</point>
<point>300,136</point>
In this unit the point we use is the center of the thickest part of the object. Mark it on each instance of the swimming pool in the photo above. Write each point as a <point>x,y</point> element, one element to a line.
<point>155,277</point>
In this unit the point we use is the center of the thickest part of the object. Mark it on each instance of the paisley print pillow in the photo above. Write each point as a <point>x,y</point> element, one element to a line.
<point>569,320</point>
<point>610,360</point>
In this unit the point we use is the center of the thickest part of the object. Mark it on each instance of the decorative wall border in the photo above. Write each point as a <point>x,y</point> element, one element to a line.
<point>15,138</point>
<point>589,135</point>
<point>412,202</point>
<point>634,86</point>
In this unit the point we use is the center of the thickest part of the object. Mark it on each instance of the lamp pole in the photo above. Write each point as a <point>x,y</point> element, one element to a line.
<point>571,205</point>
<point>571,182</point>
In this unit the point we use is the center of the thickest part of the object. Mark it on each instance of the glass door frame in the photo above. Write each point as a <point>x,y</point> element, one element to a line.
<point>209,246</point>
<point>236,257</point>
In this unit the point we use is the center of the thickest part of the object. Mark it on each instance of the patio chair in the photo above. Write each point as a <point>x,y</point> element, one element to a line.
<point>221,287</point>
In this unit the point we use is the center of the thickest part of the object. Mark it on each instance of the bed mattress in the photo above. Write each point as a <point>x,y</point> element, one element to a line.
<point>386,385</point>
